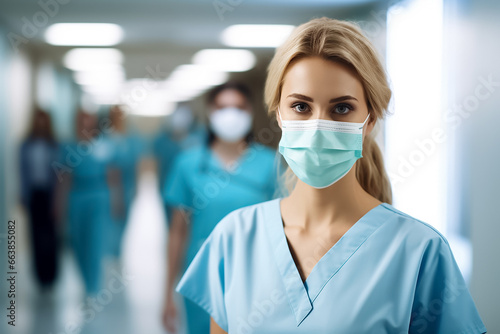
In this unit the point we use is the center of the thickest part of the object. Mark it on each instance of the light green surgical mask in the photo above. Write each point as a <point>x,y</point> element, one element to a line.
<point>320,152</point>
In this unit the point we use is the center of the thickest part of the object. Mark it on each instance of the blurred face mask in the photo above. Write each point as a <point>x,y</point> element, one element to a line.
<point>320,152</point>
<point>230,124</point>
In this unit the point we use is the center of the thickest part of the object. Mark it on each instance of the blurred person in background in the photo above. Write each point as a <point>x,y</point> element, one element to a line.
<point>38,182</point>
<point>128,151</point>
<point>185,129</point>
<point>230,171</point>
<point>88,179</point>
<point>180,133</point>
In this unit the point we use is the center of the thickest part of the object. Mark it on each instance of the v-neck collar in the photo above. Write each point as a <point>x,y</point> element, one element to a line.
<point>301,295</point>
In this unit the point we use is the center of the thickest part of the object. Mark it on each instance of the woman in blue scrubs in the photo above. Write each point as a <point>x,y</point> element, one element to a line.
<point>209,181</point>
<point>127,151</point>
<point>334,256</point>
<point>87,163</point>
<point>180,133</point>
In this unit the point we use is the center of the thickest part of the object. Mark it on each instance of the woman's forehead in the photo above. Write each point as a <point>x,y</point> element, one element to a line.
<point>314,76</point>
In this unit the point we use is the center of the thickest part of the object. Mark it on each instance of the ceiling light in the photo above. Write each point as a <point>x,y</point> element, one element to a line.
<point>84,34</point>
<point>100,78</point>
<point>187,82</point>
<point>104,99</point>
<point>230,60</point>
<point>155,103</point>
<point>256,35</point>
<point>197,76</point>
<point>108,90</point>
<point>88,59</point>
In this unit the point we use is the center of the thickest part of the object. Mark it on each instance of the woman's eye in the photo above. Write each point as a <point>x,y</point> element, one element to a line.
<point>342,109</point>
<point>300,107</point>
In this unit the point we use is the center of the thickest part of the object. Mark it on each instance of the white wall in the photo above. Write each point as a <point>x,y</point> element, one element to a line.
<point>19,109</point>
<point>415,133</point>
<point>480,143</point>
<point>464,169</point>
<point>3,161</point>
<point>3,120</point>
<point>476,55</point>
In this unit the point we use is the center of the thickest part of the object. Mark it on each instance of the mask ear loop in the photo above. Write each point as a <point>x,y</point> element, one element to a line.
<point>363,125</point>
<point>279,115</point>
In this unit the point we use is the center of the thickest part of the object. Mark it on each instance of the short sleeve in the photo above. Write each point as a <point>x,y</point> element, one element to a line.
<point>442,302</point>
<point>203,281</point>
<point>177,191</point>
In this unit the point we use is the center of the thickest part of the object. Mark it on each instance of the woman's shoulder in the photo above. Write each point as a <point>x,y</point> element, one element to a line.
<point>410,226</point>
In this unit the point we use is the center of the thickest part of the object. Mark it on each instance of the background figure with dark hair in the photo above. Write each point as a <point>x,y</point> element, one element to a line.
<point>38,182</point>
<point>89,209</point>
<point>180,133</point>
<point>128,151</point>
<point>207,182</point>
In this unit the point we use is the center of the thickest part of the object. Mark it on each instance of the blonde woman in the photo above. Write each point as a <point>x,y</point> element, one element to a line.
<point>334,256</point>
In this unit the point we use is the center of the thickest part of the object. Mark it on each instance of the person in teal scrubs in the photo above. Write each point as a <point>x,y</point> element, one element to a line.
<point>209,181</point>
<point>128,152</point>
<point>334,256</point>
<point>180,133</point>
<point>86,167</point>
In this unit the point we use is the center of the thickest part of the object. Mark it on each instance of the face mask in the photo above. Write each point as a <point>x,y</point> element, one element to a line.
<point>231,124</point>
<point>321,152</point>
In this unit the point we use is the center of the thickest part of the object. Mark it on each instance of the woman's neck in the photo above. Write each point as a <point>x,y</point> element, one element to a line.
<point>343,201</point>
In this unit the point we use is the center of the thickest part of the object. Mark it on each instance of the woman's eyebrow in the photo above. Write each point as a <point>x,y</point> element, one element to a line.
<point>301,97</point>
<point>337,99</point>
<point>343,98</point>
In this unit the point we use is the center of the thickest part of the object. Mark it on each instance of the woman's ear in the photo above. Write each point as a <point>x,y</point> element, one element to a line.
<point>370,124</point>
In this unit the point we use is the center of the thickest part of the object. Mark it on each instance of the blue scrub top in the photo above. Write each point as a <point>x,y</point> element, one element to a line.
<point>89,162</point>
<point>199,183</point>
<point>166,147</point>
<point>389,273</point>
<point>165,150</point>
<point>128,151</point>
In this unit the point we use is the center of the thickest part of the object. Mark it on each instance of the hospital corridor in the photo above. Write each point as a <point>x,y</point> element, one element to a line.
<point>127,304</point>
<point>249,166</point>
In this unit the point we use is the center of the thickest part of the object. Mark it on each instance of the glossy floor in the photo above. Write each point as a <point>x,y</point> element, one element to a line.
<point>132,295</point>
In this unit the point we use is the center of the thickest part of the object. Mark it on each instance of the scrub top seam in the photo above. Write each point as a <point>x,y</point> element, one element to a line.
<point>390,207</point>
<point>417,276</point>
<point>341,266</point>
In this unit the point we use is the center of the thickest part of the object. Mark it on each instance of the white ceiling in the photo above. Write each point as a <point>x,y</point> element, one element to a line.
<point>166,33</point>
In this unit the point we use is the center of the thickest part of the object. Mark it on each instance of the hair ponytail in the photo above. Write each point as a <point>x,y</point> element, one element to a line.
<point>370,172</point>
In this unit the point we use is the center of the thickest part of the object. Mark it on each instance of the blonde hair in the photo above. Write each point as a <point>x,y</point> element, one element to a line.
<point>343,42</point>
